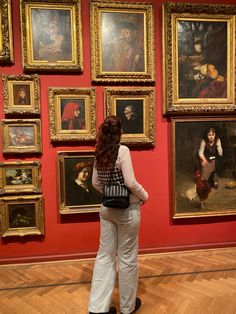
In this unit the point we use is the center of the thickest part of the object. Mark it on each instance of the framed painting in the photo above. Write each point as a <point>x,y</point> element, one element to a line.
<point>122,44</point>
<point>6,38</point>
<point>136,109</point>
<point>72,114</point>
<point>204,166</point>
<point>76,193</point>
<point>198,72</point>
<point>21,136</point>
<point>17,177</point>
<point>21,215</point>
<point>51,35</point>
<point>21,94</point>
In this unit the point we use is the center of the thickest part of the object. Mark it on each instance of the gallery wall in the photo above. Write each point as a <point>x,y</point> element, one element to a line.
<point>77,235</point>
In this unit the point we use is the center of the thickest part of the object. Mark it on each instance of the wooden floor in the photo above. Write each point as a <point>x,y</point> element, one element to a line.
<point>183,282</point>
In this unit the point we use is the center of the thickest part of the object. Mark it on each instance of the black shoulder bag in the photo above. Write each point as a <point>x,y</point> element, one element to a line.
<point>116,196</point>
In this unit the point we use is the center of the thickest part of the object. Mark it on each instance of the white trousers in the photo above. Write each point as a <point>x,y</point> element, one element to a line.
<point>118,236</point>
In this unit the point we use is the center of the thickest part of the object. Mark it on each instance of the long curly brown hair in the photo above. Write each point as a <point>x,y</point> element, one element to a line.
<point>108,141</point>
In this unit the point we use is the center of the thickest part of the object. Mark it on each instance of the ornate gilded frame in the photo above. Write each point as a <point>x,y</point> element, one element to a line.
<point>21,215</point>
<point>140,131</point>
<point>73,200</point>
<point>39,18</point>
<point>21,136</point>
<point>6,38</point>
<point>198,72</point>
<point>187,134</point>
<point>59,98</point>
<point>12,86</point>
<point>17,177</point>
<point>105,19</point>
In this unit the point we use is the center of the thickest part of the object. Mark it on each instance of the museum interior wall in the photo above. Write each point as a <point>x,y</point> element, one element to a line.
<point>76,235</point>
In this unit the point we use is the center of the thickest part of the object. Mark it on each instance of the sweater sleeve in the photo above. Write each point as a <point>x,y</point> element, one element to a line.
<point>95,181</point>
<point>129,177</point>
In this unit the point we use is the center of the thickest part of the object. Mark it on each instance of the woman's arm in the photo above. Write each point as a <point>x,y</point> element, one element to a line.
<point>128,174</point>
<point>95,181</point>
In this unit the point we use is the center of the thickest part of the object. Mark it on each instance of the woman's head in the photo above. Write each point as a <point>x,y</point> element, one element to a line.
<point>108,141</point>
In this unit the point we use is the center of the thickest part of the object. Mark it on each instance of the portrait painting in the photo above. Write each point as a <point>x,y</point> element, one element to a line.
<point>21,94</point>
<point>122,42</point>
<point>6,36</point>
<point>55,34</point>
<point>21,136</point>
<point>72,114</point>
<point>76,193</point>
<point>123,36</point>
<point>135,107</point>
<point>201,75</point>
<point>204,166</point>
<point>20,177</point>
<point>130,112</point>
<point>22,215</point>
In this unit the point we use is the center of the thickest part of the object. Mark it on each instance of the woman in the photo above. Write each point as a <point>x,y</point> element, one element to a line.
<point>119,227</point>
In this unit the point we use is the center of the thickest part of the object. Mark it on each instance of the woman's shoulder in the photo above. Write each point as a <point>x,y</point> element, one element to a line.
<point>123,148</point>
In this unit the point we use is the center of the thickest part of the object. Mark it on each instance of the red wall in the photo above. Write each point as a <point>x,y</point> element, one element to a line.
<point>74,236</point>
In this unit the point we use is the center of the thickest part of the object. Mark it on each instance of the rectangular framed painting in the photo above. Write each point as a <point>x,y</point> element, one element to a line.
<point>136,109</point>
<point>21,215</point>
<point>72,114</point>
<point>198,71</point>
<point>21,94</point>
<point>17,177</point>
<point>204,166</point>
<point>76,193</point>
<point>51,35</point>
<point>6,37</point>
<point>122,42</point>
<point>21,136</point>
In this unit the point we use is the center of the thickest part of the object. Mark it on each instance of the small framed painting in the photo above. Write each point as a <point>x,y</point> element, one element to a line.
<point>21,215</point>
<point>19,177</point>
<point>136,109</point>
<point>21,136</point>
<point>72,114</point>
<point>21,94</point>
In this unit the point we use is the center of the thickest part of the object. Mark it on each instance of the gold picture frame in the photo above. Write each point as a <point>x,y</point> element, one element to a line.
<point>72,113</point>
<point>21,215</point>
<point>198,72</point>
<point>136,109</point>
<point>131,60</point>
<point>6,37</point>
<point>21,94</point>
<point>203,189</point>
<point>73,197</point>
<point>17,177</point>
<point>21,136</point>
<point>51,35</point>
